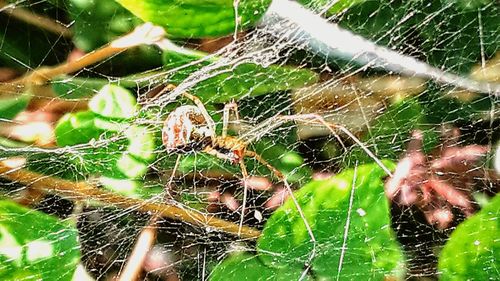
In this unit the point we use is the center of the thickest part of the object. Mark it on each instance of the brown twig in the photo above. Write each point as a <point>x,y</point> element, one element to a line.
<point>35,19</point>
<point>143,34</point>
<point>142,246</point>
<point>85,191</point>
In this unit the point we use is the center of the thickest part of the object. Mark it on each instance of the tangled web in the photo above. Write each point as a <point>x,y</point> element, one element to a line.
<point>253,140</point>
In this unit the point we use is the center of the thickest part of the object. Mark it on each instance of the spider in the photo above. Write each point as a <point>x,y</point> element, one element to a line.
<point>191,128</point>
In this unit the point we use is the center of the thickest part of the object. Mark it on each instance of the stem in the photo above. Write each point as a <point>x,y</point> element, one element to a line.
<point>37,20</point>
<point>288,19</point>
<point>143,245</point>
<point>83,191</point>
<point>143,34</point>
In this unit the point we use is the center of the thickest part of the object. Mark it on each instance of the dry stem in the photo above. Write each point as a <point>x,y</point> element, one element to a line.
<point>37,20</point>
<point>142,246</point>
<point>85,191</point>
<point>144,34</point>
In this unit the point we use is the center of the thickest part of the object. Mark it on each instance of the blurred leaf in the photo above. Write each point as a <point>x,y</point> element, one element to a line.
<point>236,81</point>
<point>109,125</point>
<point>439,109</point>
<point>141,143</point>
<point>451,38</point>
<point>439,32</point>
<point>372,250</point>
<point>131,167</point>
<point>470,4</point>
<point>127,187</point>
<point>116,151</point>
<point>387,138</point>
<point>69,87</point>
<point>96,23</point>
<point>338,6</point>
<point>61,164</point>
<point>194,18</point>
<point>72,87</point>
<point>77,128</point>
<point>473,251</point>
<point>10,107</point>
<point>6,142</point>
<point>289,162</point>
<point>115,102</point>
<point>24,46</point>
<point>35,246</point>
<point>244,266</point>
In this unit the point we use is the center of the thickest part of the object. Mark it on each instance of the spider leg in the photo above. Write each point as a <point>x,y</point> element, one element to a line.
<point>282,178</point>
<point>315,118</point>
<point>245,192</point>
<point>244,172</point>
<point>171,179</point>
<point>225,120</point>
<point>204,112</point>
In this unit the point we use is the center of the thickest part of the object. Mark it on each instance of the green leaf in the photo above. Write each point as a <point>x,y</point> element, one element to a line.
<point>195,18</point>
<point>10,107</point>
<point>470,4</point>
<point>72,87</point>
<point>90,17</point>
<point>127,187</point>
<point>35,246</point>
<point>473,251</point>
<point>244,266</point>
<point>290,163</point>
<point>236,81</point>
<point>77,128</point>
<point>26,47</point>
<point>116,151</point>
<point>69,87</point>
<point>131,167</point>
<point>444,34</point>
<point>372,251</point>
<point>287,161</point>
<point>141,143</point>
<point>338,6</point>
<point>115,102</point>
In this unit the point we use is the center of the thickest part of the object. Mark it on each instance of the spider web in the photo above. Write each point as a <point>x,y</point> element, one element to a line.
<point>414,82</point>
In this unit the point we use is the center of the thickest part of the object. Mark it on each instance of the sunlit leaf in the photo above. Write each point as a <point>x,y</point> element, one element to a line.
<point>114,102</point>
<point>473,251</point>
<point>235,82</point>
<point>35,246</point>
<point>141,143</point>
<point>370,247</point>
<point>290,163</point>
<point>192,18</point>
<point>244,266</point>
<point>10,107</point>
<point>77,128</point>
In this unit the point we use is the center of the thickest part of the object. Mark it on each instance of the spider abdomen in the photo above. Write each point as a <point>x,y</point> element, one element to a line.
<point>185,129</point>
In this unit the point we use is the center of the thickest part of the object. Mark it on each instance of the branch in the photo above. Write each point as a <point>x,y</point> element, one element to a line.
<point>37,20</point>
<point>143,245</point>
<point>143,34</point>
<point>84,191</point>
